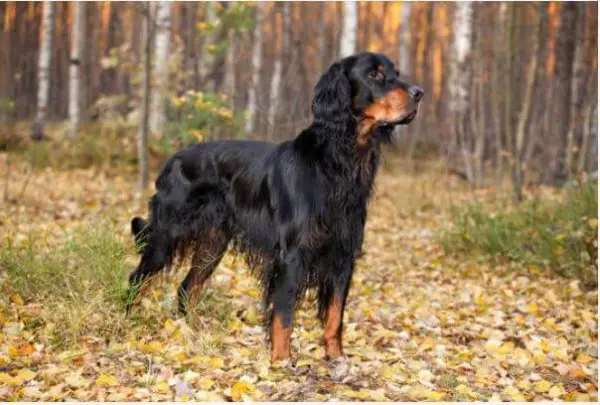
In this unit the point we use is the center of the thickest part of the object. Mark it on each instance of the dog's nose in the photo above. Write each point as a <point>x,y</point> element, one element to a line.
<point>416,93</point>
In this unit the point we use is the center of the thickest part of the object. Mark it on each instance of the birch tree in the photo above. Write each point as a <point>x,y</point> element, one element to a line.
<point>460,76</point>
<point>162,32</point>
<point>404,40</point>
<point>348,37</point>
<point>274,94</point>
<point>44,70</point>
<point>252,106</point>
<point>75,84</point>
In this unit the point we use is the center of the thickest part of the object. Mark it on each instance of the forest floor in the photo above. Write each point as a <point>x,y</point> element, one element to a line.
<point>419,325</point>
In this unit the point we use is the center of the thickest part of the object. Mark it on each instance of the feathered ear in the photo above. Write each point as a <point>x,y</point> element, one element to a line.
<point>333,94</point>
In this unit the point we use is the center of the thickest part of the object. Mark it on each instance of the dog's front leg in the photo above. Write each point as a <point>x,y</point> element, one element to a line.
<point>285,287</point>
<point>333,300</point>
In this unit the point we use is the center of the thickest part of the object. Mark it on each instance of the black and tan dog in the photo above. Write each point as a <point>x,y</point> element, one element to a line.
<point>299,206</point>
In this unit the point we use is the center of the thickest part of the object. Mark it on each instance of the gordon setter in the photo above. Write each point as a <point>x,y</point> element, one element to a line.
<point>297,209</point>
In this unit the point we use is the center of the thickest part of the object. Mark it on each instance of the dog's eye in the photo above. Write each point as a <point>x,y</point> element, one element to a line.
<point>375,75</point>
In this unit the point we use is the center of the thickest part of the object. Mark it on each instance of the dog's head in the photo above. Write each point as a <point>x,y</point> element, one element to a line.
<point>368,86</point>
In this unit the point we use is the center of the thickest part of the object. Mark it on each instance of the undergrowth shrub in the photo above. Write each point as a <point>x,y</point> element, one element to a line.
<point>198,117</point>
<point>560,236</point>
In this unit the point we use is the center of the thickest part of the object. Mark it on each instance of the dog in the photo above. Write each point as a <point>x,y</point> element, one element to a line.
<point>297,209</point>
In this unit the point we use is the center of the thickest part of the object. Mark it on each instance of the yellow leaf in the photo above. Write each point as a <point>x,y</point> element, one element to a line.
<point>170,326</point>
<point>9,380</point>
<point>151,348</point>
<point>542,386</point>
<point>216,362</point>
<point>106,380</point>
<point>436,396</point>
<point>241,388</point>
<point>305,362</point>
<point>12,351</point>
<point>514,394</point>
<point>162,387</point>
<point>205,383</point>
<point>584,358</point>
<point>556,391</point>
<point>26,374</point>
<point>16,299</point>
<point>179,356</point>
<point>532,308</point>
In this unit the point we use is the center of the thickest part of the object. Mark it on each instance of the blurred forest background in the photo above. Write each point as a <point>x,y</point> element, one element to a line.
<point>508,85</point>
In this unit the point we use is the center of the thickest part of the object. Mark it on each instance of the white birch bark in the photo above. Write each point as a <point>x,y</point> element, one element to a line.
<point>459,75</point>
<point>348,37</point>
<point>44,70</point>
<point>161,55</point>
<point>75,90</point>
<point>404,37</point>
<point>252,106</point>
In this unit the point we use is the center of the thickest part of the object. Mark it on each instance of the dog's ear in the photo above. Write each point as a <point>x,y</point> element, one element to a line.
<point>333,95</point>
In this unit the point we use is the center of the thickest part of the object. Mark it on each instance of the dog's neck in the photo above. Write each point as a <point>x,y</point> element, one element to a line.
<point>345,142</point>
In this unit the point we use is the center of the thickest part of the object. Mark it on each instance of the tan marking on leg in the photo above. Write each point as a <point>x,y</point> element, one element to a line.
<point>280,340</point>
<point>333,329</point>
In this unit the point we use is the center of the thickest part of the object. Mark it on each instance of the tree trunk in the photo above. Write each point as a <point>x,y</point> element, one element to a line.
<point>75,83</point>
<point>322,39</point>
<point>576,88</point>
<point>526,104</point>
<point>37,132</point>
<point>565,49</point>
<point>509,46</point>
<point>404,64</point>
<point>163,36</point>
<point>207,63</point>
<point>276,78</point>
<point>460,77</point>
<point>587,124</point>
<point>348,37</point>
<point>252,107</point>
<point>496,94</point>
<point>142,141</point>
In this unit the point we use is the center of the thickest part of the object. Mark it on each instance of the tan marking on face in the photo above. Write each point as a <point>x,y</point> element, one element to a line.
<point>280,340</point>
<point>332,335</point>
<point>385,109</point>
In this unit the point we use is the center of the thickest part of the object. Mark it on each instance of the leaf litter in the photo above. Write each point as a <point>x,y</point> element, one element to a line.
<point>419,325</point>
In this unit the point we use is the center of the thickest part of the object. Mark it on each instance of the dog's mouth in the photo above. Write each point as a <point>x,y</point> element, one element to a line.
<point>404,120</point>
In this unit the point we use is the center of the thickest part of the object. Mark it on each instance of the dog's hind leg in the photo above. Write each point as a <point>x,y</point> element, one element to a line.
<point>209,253</point>
<point>155,256</point>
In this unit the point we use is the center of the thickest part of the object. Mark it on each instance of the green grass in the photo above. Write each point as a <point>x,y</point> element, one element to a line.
<point>560,236</point>
<point>79,284</point>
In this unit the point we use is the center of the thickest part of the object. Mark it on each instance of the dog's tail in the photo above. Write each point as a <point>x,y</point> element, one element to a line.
<point>140,228</point>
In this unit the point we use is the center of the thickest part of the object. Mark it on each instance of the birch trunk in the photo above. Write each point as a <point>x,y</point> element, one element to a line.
<point>162,38</point>
<point>44,71</point>
<point>460,76</point>
<point>252,107</point>
<point>276,78</point>
<point>348,37</point>
<point>75,90</point>
<point>404,40</point>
